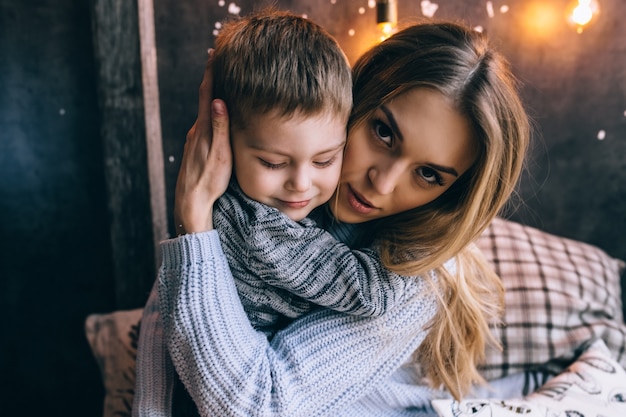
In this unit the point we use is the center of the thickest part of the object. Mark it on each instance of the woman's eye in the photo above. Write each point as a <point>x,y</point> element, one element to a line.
<point>383,132</point>
<point>271,165</point>
<point>324,164</point>
<point>429,175</point>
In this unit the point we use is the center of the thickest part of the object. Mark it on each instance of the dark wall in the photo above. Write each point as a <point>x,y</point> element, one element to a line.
<point>55,252</point>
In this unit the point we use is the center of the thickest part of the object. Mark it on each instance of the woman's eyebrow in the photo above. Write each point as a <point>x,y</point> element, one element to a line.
<point>398,133</point>
<point>392,122</point>
<point>447,170</point>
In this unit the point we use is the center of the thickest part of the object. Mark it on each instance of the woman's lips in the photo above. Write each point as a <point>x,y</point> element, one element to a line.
<point>358,202</point>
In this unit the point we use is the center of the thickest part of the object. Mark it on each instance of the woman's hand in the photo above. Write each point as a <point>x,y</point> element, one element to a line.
<point>206,164</point>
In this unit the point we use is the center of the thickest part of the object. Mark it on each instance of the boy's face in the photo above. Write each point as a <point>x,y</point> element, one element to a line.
<point>292,164</point>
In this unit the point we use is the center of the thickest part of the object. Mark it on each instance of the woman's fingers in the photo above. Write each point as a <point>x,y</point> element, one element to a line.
<point>204,173</point>
<point>220,154</point>
<point>206,164</point>
<point>206,95</point>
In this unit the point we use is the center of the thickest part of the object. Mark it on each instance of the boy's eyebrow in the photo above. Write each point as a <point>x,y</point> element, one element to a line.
<point>398,133</point>
<point>258,147</point>
<point>334,148</point>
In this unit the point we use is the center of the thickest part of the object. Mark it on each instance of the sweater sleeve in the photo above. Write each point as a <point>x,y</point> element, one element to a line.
<point>321,363</point>
<point>304,259</point>
<point>154,369</point>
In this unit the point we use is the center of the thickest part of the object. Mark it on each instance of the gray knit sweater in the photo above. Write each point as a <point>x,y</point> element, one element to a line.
<point>282,269</point>
<point>326,363</point>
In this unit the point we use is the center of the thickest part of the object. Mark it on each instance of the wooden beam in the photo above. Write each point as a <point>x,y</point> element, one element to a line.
<point>152,117</point>
<point>128,133</point>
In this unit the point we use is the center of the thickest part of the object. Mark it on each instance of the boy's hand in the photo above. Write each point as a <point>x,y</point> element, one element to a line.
<point>206,164</point>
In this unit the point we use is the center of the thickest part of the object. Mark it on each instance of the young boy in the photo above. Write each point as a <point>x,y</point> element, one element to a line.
<point>287,86</point>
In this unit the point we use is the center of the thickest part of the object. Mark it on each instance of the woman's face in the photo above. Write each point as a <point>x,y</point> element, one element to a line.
<point>405,155</point>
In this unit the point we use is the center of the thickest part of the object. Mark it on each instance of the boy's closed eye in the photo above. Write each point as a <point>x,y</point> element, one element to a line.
<point>326,163</point>
<point>322,161</point>
<point>272,165</point>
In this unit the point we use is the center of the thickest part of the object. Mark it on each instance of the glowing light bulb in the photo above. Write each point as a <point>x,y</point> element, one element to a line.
<point>387,29</point>
<point>582,13</point>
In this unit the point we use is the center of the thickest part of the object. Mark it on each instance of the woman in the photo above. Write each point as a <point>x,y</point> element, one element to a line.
<point>435,147</point>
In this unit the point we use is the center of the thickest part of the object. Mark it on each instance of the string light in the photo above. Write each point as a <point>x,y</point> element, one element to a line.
<point>386,17</point>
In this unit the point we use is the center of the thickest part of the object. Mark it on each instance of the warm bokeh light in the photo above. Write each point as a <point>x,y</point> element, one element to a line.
<point>581,13</point>
<point>541,19</point>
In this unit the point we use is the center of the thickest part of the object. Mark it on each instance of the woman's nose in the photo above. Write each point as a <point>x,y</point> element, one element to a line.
<point>385,177</point>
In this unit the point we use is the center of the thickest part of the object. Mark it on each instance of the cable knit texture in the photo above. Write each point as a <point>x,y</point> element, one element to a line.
<point>283,269</point>
<point>326,363</point>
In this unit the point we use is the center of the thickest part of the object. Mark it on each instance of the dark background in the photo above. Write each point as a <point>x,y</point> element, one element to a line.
<point>56,255</point>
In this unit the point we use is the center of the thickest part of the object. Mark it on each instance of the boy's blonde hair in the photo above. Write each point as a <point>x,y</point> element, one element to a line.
<point>280,62</point>
<point>459,63</point>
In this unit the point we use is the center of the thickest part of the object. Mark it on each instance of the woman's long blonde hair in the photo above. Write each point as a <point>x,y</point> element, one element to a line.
<point>459,63</point>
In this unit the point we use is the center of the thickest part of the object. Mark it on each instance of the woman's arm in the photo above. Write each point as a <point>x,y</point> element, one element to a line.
<point>203,177</point>
<point>322,362</point>
<point>154,369</point>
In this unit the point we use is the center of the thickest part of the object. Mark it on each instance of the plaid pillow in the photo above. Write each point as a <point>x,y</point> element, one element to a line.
<point>560,293</point>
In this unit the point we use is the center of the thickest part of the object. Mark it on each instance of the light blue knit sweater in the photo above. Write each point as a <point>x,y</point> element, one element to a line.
<point>326,363</point>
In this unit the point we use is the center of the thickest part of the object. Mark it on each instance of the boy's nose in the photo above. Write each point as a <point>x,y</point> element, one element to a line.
<point>299,180</point>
